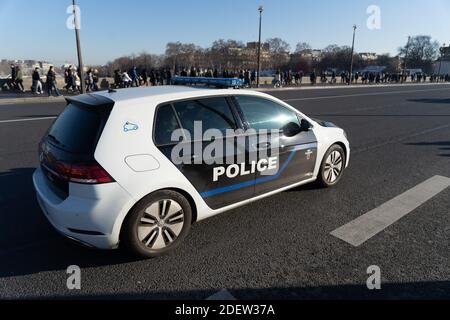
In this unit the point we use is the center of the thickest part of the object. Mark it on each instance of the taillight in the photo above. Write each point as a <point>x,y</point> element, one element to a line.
<point>86,173</point>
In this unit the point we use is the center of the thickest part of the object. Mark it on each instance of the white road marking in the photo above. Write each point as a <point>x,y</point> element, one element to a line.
<point>223,295</point>
<point>361,95</point>
<point>26,120</point>
<point>367,226</point>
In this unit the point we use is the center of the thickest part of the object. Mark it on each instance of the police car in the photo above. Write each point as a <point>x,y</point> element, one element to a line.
<point>108,175</point>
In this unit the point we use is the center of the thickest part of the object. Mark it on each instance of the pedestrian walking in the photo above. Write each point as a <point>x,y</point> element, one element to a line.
<point>169,77</point>
<point>134,77</point>
<point>70,80</point>
<point>37,85</point>
<point>19,79</point>
<point>313,78</point>
<point>51,82</point>
<point>89,80</point>
<point>12,84</point>
<point>153,77</point>
<point>117,79</point>
<point>145,78</point>
<point>95,80</point>
<point>126,80</point>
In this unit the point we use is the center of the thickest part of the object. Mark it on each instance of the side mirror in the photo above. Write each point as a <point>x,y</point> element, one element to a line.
<point>305,126</point>
<point>291,129</point>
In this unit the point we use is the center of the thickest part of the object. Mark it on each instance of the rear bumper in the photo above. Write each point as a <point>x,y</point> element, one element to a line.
<point>88,215</point>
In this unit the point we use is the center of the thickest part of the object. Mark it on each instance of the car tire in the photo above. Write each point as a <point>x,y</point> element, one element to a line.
<point>332,167</point>
<point>157,225</point>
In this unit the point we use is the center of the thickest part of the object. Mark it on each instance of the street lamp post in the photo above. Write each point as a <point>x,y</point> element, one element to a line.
<point>406,58</point>
<point>261,10</point>
<point>353,50</point>
<point>440,59</point>
<point>80,56</point>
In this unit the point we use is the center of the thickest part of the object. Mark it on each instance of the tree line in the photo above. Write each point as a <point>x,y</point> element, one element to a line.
<point>419,53</point>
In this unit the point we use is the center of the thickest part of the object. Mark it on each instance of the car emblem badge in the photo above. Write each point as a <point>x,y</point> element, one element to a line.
<point>308,154</point>
<point>130,127</point>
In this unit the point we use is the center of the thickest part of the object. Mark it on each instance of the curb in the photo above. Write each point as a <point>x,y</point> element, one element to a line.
<point>8,101</point>
<point>336,87</point>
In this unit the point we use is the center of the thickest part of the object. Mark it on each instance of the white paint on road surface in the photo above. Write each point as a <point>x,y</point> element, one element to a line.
<point>361,95</point>
<point>367,226</point>
<point>223,295</point>
<point>26,120</point>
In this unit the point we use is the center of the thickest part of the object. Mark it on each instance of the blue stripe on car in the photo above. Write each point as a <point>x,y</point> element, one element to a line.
<point>215,192</point>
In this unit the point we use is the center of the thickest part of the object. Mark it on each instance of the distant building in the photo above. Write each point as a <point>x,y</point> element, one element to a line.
<point>254,45</point>
<point>311,54</point>
<point>368,56</point>
<point>442,65</point>
<point>246,57</point>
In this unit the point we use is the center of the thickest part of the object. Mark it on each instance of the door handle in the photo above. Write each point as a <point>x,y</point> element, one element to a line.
<point>263,146</point>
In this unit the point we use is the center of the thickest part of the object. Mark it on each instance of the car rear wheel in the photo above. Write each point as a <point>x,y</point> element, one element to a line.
<point>332,168</point>
<point>157,225</point>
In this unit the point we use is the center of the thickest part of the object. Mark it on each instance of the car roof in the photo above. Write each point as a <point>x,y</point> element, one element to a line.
<point>161,93</point>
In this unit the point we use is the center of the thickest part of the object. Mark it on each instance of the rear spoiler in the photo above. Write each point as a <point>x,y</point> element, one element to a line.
<point>91,100</point>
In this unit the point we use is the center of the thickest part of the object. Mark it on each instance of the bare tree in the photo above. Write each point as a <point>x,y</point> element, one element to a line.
<point>279,51</point>
<point>385,60</point>
<point>336,57</point>
<point>183,55</point>
<point>227,53</point>
<point>420,52</point>
<point>302,47</point>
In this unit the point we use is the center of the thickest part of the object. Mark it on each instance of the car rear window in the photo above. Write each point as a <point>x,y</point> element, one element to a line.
<point>77,129</point>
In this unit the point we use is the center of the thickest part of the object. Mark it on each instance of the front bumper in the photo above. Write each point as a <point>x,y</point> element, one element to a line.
<point>88,215</point>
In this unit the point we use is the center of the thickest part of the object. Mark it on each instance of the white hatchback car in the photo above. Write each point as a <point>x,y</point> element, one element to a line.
<point>108,176</point>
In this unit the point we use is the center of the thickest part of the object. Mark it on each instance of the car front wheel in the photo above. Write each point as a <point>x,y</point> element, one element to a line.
<point>332,168</point>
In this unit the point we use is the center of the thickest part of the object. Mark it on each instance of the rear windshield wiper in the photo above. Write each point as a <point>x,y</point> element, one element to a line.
<point>55,140</point>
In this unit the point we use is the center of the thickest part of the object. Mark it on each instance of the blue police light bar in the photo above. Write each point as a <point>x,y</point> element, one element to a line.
<point>213,82</point>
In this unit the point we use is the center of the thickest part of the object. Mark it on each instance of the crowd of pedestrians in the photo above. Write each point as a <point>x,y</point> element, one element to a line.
<point>16,81</point>
<point>157,77</point>
<point>138,78</point>
<point>289,78</point>
<point>72,80</point>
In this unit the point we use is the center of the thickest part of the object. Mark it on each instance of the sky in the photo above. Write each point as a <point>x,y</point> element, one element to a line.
<point>36,29</point>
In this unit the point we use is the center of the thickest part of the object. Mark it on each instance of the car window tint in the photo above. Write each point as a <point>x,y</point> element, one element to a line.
<point>77,129</point>
<point>265,114</point>
<point>166,124</point>
<point>213,113</point>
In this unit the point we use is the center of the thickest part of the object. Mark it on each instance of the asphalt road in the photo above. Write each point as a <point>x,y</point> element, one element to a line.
<point>278,248</point>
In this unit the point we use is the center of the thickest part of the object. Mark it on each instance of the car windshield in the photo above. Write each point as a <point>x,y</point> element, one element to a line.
<point>76,130</point>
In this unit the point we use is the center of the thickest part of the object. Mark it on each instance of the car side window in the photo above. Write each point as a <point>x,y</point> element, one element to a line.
<point>265,114</point>
<point>213,113</point>
<point>166,123</point>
